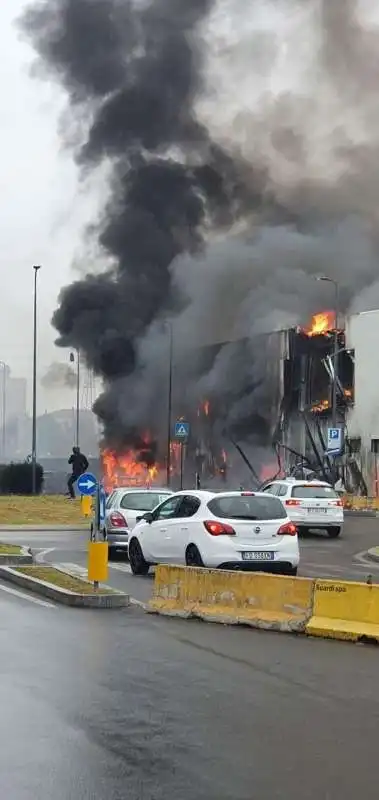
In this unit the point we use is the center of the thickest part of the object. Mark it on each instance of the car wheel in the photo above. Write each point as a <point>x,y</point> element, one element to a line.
<point>193,557</point>
<point>333,532</point>
<point>110,553</point>
<point>290,571</point>
<point>137,562</point>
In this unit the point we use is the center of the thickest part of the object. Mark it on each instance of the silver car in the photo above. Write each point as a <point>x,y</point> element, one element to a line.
<point>123,508</point>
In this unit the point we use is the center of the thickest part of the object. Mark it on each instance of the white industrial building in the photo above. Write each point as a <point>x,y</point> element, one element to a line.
<point>362,422</point>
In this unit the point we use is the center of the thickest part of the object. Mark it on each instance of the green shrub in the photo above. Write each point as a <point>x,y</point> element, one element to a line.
<point>17,478</point>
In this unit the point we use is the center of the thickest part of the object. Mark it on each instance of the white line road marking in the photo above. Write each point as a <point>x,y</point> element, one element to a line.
<point>42,553</point>
<point>121,567</point>
<point>366,562</point>
<point>27,597</point>
<point>138,603</point>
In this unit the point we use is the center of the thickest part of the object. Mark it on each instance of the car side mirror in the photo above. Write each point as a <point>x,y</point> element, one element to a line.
<point>148,517</point>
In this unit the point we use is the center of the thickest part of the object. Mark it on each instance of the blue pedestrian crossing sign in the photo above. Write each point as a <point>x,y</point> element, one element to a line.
<point>87,484</point>
<point>334,443</point>
<point>182,430</point>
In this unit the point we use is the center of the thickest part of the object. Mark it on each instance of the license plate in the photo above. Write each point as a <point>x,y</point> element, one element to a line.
<point>316,510</point>
<point>258,556</point>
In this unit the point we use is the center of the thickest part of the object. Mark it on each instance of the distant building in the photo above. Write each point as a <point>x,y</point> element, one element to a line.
<point>16,397</point>
<point>13,409</point>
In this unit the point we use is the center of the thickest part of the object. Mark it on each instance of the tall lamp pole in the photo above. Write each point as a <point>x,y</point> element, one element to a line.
<point>36,267</point>
<point>72,358</point>
<point>169,401</point>
<point>3,408</point>
<point>335,346</point>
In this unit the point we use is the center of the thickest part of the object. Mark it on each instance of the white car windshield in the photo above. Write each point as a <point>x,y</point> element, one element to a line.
<point>247,507</point>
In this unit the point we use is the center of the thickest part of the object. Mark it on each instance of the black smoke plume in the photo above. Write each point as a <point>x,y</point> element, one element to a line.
<point>220,211</point>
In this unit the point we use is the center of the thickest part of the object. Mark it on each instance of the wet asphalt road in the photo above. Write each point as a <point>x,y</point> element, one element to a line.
<point>121,705</point>
<point>342,558</point>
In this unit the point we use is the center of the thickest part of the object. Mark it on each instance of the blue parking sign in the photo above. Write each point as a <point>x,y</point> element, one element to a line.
<point>334,443</point>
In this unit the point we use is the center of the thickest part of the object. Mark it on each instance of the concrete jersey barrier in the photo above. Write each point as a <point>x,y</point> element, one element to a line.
<point>345,610</point>
<point>262,601</point>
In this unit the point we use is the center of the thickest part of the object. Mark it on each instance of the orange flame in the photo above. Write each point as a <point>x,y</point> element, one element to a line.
<point>323,405</point>
<point>321,323</point>
<point>126,470</point>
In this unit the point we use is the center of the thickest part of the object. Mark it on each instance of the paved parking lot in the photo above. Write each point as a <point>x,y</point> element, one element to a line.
<point>343,558</point>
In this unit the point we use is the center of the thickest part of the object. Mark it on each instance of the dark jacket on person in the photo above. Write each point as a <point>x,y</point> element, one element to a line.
<point>79,463</point>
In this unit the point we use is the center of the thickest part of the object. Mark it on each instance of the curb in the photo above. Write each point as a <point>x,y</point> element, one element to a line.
<point>70,528</point>
<point>373,554</point>
<point>361,514</point>
<point>25,557</point>
<point>114,600</point>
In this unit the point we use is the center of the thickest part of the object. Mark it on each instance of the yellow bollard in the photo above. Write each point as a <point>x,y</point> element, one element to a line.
<point>86,505</point>
<point>98,562</point>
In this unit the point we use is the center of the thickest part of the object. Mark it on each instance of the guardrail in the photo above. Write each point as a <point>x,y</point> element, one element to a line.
<point>326,608</point>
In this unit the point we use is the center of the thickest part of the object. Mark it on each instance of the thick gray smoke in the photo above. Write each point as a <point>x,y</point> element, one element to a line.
<point>242,143</point>
<point>59,375</point>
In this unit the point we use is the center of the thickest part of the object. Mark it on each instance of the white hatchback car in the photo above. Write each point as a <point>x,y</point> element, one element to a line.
<point>310,504</point>
<point>229,530</point>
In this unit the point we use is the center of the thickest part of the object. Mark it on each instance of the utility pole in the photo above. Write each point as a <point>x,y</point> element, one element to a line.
<point>335,346</point>
<point>169,401</point>
<point>34,411</point>
<point>72,359</point>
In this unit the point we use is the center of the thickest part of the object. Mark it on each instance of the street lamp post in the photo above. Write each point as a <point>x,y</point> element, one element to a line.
<point>34,410</point>
<point>72,358</point>
<point>335,346</point>
<point>169,401</point>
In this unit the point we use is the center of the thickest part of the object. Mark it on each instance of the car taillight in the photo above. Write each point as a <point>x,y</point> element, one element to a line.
<point>288,529</point>
<point>117,520</point>
<point>218,528</point>
<point>247,494</point>
<point>292,503</point>
<point>337,503</point>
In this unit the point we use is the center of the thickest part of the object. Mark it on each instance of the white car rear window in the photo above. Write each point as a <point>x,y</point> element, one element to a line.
<point>143,501</point>
<point>247,507</point>
<point>314,492</point>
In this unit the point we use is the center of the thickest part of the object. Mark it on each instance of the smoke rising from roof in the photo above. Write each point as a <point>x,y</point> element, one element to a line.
<point>242,143</point>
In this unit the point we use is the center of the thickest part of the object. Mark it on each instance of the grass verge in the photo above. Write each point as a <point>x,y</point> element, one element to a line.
<point>61,579</point>
<point>43,510</point>
<point>10,549</point>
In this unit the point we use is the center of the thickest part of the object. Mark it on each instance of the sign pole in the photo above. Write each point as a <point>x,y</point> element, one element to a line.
<point>181,464</point>
<point>182,431</point>
<point>96,527</point>
<point>97,550</point>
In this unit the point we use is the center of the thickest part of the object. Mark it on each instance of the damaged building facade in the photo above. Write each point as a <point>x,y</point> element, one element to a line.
<point>305,408</point>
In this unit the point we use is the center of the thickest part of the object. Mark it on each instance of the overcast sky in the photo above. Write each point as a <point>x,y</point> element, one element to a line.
<point>43,211</point>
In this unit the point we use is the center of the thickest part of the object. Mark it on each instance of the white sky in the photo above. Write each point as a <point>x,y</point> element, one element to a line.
<point>42,212</point>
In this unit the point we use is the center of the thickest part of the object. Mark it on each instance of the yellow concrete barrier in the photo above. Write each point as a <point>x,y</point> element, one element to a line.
<point>345,610</point>
<point>262,601</point>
